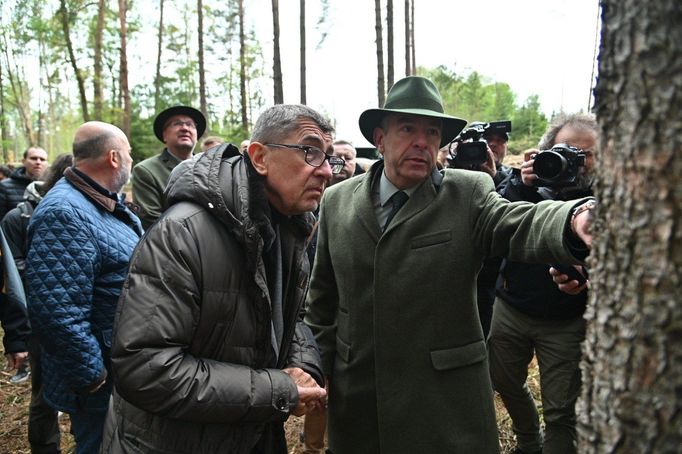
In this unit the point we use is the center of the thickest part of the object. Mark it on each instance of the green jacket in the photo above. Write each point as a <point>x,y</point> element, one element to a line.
<point>149,179</point>
<point>395,314</point>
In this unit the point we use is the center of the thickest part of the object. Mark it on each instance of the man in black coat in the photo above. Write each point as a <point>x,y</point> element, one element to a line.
<point>12,189</point>
<point>210,353</point>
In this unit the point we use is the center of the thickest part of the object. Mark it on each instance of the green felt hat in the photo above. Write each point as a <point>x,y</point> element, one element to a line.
<point>412,95</point>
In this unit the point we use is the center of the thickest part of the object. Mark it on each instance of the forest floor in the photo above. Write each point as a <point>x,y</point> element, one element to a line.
<point>14,401</point>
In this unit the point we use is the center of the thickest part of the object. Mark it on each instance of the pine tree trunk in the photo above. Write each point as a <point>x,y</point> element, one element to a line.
<point>389,43</point>
<point>242,70</point>
<point>202,73</point>
<point>413,66</point>
<point>277,63</point>
<point>97,77</point>
<point>408,52</point>
<point>4,138</point>
<point>303,60</point>
<point>125,92</point>
<point>157,78</point>
<point>64,16</point>
<point>632,369</point>
<point>381,90</point>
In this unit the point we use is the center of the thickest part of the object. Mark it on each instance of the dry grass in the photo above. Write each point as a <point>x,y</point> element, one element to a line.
<point>14,401</point>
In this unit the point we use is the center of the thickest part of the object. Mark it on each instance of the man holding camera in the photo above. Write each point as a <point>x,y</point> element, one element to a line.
<point>531,314</point>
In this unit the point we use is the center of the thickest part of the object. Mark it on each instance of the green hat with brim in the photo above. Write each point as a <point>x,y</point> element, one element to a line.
<point>417,96</point>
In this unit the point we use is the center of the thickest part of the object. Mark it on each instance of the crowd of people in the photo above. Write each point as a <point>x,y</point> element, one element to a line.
<point>245,284</point>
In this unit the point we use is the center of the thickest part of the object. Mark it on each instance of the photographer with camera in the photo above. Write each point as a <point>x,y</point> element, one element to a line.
<point>483,146</point>
<point>532,315</point>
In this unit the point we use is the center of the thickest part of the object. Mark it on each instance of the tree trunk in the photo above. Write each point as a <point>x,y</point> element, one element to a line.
<point>277,63</point>
<point>97,78</point>
<point>125,92</point>
<point>4,138</point>
<point>413,66</point>
<point>19,94</point>
<point>632,364</point>
<point>202,74</point>
<point>408,52</point>
<point>66,28</point>
<point>381,90</point>
<point>389,43</point>
<point>303,61</point>
<point>157,78</point>
<point>242,69</point>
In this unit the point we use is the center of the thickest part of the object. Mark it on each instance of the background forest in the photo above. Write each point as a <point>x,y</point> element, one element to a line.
<point>68,61</point>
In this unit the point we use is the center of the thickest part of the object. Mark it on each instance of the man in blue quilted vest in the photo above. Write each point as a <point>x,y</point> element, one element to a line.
<point>81,237</point>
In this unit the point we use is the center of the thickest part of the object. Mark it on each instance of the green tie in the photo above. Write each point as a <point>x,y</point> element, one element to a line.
<point>398,199</point>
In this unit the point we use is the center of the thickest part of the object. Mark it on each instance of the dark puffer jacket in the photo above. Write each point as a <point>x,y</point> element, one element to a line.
<point>12,190</point>
<point>192,355</point>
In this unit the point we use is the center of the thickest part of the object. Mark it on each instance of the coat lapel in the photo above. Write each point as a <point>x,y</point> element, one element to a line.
<point>362,203</point>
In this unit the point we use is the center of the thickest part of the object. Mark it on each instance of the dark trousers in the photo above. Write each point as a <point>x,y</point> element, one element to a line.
<point>43,425</point>
<point>514,338</point>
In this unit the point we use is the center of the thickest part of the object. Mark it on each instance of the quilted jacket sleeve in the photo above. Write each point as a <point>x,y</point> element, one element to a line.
<point>62,262</point>
<point>153,334</point>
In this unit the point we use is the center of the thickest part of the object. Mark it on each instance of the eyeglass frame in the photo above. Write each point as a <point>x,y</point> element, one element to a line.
<point>190,124</point>
<point>307,149</point>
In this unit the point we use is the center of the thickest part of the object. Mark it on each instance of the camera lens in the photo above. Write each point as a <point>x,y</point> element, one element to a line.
<point>549,165</point>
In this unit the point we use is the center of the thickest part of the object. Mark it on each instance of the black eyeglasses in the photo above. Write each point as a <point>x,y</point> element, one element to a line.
<point>314,156</point>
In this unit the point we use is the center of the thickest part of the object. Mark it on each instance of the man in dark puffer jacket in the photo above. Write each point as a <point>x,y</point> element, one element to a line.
<point>81,237</point>
<point>210,353</point>
<point>12,188</point>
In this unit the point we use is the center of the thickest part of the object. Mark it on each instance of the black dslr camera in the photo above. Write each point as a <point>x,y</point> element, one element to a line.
<point>559,166</point>
<point>471,149</point>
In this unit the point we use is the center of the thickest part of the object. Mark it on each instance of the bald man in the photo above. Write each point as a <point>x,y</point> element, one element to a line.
<point>81,237</point>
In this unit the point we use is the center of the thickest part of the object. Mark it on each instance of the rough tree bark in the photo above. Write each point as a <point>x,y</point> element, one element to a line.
<point>632,367</point>
<point>413,58</point>
<point>202,74</point>
<point>157,78</point>
<point>277,62</point>
<point>66,28</point>
<point>303,61</point>
<point>381,90</point>
<point>125,92</point>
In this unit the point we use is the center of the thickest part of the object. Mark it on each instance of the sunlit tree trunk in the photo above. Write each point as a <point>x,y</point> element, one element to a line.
<point>66,28</point>
<point>97,77</point>
<point>125,92</point>
<point>303,59</point>
<point>389,43</point>
<point>157,78</point>
<point>277,63</point>
<point>632,369</point>
<point>381,90</point>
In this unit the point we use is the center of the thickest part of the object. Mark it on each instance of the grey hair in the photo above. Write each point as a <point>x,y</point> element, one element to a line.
<point>343,142</point>
<point>93,147</point>
<point>577,120</point>
<point>281,120</point>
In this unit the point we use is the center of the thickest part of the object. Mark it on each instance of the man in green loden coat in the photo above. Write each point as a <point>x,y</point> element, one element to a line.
<point>392,300</point>
<point>179,127</point>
